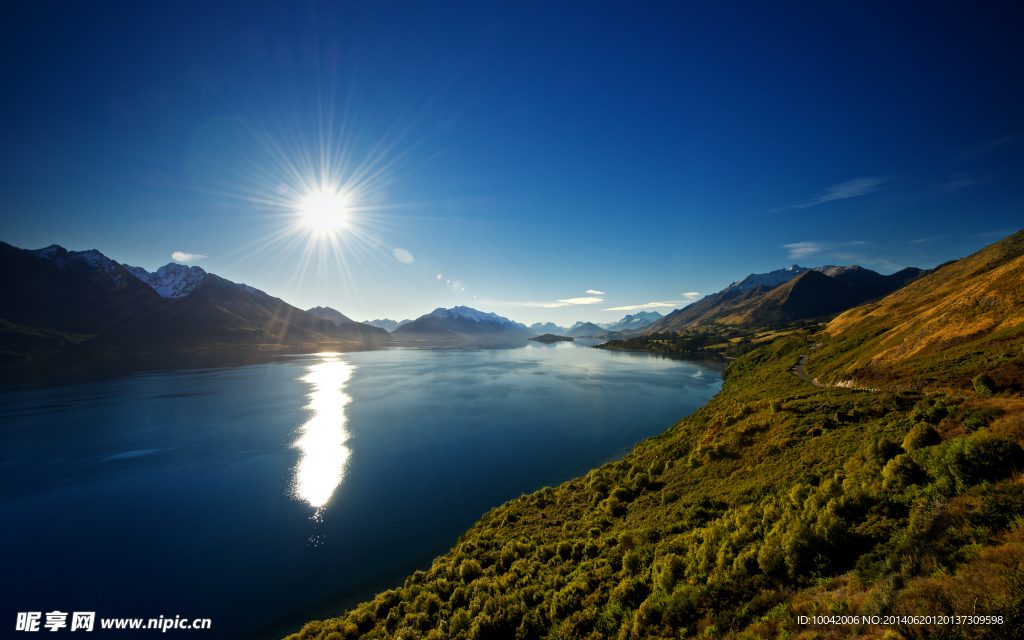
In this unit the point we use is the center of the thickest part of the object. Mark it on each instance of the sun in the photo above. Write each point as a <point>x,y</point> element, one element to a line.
<point>324,211</point>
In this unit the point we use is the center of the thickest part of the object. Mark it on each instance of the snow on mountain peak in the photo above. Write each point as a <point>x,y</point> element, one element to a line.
<point>476,316</point>
<point>780,276</point>
<point>172,280</point>
<point>470,314</point>
<point>770,279</point>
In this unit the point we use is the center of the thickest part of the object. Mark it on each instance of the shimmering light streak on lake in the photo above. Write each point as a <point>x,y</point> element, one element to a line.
<point>322,466</point>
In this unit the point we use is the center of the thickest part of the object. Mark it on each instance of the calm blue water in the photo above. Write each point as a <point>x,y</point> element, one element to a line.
<point>262,495</point>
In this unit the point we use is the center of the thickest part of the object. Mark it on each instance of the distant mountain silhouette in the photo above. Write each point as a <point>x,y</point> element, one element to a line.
<point>585,329</point>
<point>327,313</point>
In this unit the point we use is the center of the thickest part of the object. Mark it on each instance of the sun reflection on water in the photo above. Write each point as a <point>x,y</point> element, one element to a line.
<point>322,443</point>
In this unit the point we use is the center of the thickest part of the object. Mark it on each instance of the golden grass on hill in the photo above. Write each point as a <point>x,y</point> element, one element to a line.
<point>955,303</point>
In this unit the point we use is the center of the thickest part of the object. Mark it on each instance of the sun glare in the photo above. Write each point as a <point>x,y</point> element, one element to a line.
<point>324,211</point>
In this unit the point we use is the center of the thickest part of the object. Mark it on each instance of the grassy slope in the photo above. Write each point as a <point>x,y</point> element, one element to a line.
<point>777,499</point>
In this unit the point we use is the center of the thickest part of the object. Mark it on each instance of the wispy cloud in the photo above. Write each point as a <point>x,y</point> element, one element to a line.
<point>991,145</point>
<point>928,239</point>
<point>596,293</point>
<point>804,249</point>
<point>649,305</point>
<point>959,181</point>
<point>568,302</point>
<point>837,250</point>
<point>652,305</point>
<point>841,191</point>
<point>181,256</point>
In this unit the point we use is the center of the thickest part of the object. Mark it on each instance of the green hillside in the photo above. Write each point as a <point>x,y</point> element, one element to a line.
<point>777,500</point>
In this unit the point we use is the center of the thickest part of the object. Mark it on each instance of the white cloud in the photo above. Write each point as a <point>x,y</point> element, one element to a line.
<point>181,256</point>
<point>596,293</point>
<point>650,305</point>
<point>692,294</point>
<point>804,249</point>
<point>843,190</point>
<point>562,303</point>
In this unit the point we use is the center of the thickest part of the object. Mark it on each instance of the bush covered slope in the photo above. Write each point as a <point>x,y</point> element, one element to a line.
<point>776,500</point>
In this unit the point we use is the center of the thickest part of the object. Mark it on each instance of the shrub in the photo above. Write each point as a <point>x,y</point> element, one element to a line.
<point>470,570</point>
<point>923,435</point>
<point>978,459</point>
<point>980,418</point>
<point>631,563</point>
<point>614,507</point>
<point>984,385</point>
<point>776,407</point>
<point>900,472</point>
<point>642,481</point>
<point>622,494</point>
<point>668,572</point>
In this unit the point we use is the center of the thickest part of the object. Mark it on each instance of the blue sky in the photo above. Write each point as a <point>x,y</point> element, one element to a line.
<point>549,161</point>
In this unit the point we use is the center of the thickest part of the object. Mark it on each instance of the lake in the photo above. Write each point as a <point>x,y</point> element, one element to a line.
<point>261,496</point>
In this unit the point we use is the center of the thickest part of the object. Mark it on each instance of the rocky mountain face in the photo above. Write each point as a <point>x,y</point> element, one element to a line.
<point>171,280</point>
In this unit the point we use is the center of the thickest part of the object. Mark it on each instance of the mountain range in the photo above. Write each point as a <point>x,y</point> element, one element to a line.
<point>548,327</point>
<point>81,302</point>
<point>52,300</point>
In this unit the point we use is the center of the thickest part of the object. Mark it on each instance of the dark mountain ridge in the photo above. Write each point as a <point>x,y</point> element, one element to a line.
<point>82,303</point>
<point>814,294</point>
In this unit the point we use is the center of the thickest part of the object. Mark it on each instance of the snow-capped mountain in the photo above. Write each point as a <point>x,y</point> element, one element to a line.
<point>386,324</point>
<point>779,276</point>
<point>477,316</point>
<point>175,280</point>
<point>461,323</point>
<point>172,280</point>
<point>633,321</point>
